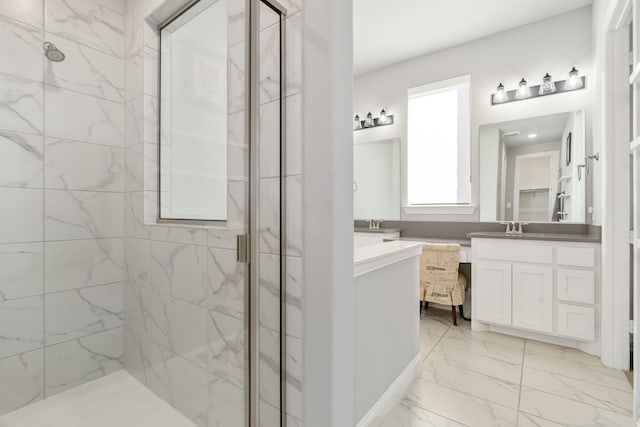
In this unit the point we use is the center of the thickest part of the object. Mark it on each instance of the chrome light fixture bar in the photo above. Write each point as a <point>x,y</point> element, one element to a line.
<point>372,122</point>
<point>547,87</point>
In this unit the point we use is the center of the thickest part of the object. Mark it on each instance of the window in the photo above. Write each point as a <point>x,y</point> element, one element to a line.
<point>438,143</point>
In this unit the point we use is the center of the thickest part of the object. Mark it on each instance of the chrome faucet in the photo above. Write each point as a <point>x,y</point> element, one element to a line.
<point>515,227</point>
<point>374,224</point>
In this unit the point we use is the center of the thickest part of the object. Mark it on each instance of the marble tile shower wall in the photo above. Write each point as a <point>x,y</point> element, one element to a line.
<point>61,196</point>
<point>184,291</point>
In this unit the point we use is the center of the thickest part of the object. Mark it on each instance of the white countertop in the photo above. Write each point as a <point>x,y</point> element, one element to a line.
<point>374,257</point>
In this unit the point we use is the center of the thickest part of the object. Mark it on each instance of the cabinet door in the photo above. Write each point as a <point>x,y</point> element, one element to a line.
<point>492,292</point>
<point>533,297</point>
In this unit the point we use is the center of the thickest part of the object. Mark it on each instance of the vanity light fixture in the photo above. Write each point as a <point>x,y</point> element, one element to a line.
<point>368,123</point>
<point>356,123</point>
<point>523,91</point>
<point>500,95</point>
<point>574,81</point>
<point>383,117</point>
<point>547,87</point>
<point>372,122</point>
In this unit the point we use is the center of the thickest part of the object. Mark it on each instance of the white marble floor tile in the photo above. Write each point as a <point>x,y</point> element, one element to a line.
<point>429,338</point>
<point>470,382</point>
<point>496,368</point>
<point>408,415</point>
<point>551,350</point>
<point>114,400</point>
<point>461,407</point>
<point>528,420</point>
<point>492,337</point>
<point>582,391</point>
<point>484,348</point>
<point>567,411</point>
<point>585,372</point>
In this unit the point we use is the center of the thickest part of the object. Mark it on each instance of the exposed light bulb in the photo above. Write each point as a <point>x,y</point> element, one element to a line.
<point>574,81</point>
<point>547,85</point>
<point>523,91</point>
<point>383,117</point>
<point>500,95</point>
<point>369,120</point>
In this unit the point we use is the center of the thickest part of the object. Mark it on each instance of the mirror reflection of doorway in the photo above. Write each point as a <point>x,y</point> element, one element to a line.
<point>535,187</point>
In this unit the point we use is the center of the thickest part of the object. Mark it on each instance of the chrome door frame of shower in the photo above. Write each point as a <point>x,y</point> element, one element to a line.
<point>253,124</point>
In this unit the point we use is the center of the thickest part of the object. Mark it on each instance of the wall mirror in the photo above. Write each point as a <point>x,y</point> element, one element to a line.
<point>193,114</point>
<point>376,179</point>
<point>531,170</point>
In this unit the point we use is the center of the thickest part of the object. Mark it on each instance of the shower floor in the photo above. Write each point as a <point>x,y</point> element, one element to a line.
<point>116,400</point>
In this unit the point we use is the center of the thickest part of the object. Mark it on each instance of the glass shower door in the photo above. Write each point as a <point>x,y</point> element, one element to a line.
<point>221,151</point>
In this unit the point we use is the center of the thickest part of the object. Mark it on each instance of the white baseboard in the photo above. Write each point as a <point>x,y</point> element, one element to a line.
<point>394,393</point>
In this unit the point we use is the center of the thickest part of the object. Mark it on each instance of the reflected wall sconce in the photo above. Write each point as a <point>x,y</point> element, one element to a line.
<point>547,87</point>
<point>372,122</point>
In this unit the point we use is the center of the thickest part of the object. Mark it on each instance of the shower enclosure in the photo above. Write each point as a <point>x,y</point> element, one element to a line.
<point>142,185</point>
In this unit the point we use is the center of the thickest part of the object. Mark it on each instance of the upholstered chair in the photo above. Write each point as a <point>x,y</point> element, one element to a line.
<point>440,280</point>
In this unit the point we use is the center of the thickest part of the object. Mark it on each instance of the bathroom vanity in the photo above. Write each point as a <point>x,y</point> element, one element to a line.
<point>539,286</point>
<point>368,236</point>
<point>387,347</point>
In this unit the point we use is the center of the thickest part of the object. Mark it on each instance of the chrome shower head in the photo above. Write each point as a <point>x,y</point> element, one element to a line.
<point>52,53</point>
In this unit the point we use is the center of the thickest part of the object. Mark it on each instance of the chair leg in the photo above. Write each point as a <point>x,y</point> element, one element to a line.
<point>453,313</point>
<point>461,308</point>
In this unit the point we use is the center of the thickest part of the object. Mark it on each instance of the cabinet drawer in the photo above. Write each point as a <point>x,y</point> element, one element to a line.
<point>576,286</point>
<point>576,257</point>
<point>500,250</point>
<point>576,322</point>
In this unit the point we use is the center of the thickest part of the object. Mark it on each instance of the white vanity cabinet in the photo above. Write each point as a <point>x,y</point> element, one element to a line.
<point>545,288</point>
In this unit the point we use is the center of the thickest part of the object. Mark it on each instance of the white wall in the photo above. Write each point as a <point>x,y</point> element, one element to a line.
<point>554,45</point>
<point>327,161</point>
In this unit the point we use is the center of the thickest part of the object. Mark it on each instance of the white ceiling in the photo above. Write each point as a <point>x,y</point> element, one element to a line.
<point>547,128</point>
<point>390,31</point>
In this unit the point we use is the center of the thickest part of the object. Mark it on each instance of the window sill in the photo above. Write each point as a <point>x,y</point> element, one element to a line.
<point>440,210</point>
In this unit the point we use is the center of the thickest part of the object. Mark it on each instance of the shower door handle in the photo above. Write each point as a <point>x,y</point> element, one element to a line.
<point>243,248</point>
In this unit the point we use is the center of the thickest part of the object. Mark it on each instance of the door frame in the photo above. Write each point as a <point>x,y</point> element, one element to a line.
<point>553,181</point>
<point>615,314</point>
<point>252,123</point>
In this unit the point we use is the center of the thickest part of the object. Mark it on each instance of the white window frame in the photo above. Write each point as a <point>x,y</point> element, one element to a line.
<point>439,209</point>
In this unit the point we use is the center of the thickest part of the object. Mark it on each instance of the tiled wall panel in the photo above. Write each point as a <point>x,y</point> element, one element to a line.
<point>61,191</point>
